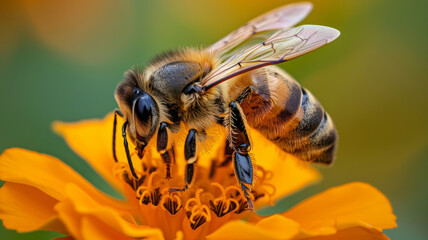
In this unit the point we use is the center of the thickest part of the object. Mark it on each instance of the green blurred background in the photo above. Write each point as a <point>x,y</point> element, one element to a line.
<point>62,61</point>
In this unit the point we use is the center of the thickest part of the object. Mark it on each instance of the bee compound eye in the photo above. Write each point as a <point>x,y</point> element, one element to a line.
<point>144,107</point>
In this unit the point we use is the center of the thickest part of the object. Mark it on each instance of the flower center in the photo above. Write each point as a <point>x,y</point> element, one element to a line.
<point>213,196</point>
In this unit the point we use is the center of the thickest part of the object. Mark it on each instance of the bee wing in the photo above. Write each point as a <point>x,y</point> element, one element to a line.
<point>280,18</point>
<point>282,46</point>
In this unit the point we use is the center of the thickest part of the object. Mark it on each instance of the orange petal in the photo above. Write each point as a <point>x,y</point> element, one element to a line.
<point>353,233</point>
<point>81,207</point>
<point>71,219</point>
<point>92,140</point>
<point>26,208</point>
<point>289,173</point>
<point>350,205</point>
<point>46,173</point>
<point>92,228</point>
<point>42,171</point>
<point>273,227</point>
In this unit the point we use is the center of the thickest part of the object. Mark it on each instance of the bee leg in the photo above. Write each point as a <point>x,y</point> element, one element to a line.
<point>128,155</point>
<point>240,143</point>
<point>116,112</point>
<point>165,147</point>
<point>191,158</point>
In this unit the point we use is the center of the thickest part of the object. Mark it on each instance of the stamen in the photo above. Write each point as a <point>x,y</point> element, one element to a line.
<point>149,194</point>
<point>265,176</point>
<point>239,196</point>
<point>223,204</point>
<point>171,203</point>
<point>198,213</point>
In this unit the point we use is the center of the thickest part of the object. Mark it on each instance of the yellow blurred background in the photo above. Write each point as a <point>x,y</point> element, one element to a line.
<point>61,60</point>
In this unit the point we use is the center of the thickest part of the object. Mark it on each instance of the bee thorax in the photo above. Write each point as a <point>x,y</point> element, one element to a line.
<point>201,110</point>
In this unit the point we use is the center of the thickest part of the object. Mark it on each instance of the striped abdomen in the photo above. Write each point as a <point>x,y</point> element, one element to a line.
<point>290,116</point>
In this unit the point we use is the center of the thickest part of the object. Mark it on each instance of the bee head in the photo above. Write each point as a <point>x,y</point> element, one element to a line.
<point>139,108</point>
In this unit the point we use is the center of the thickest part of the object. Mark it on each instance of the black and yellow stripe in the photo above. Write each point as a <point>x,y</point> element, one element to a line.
<point>290,116</point>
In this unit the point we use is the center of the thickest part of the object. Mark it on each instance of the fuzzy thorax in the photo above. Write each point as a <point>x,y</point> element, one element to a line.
<point>202,109</point>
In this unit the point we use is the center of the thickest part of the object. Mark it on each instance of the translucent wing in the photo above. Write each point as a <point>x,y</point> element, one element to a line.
<point>280,18</point>
<point>281,46</point>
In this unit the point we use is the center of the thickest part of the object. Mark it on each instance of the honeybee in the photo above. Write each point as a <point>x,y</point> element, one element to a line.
<point>235,86</point>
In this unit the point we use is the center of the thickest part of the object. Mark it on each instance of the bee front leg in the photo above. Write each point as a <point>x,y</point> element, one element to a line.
<point>116,112</point>
<point>125,143</point>
<point>165,147</point>
<point>240,143</point>
<point>190,155</point>
<point>128,155</point>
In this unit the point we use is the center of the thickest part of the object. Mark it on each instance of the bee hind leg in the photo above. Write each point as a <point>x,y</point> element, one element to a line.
<point>190,155</point>
<point>240,143</point>
<point>165,147</point>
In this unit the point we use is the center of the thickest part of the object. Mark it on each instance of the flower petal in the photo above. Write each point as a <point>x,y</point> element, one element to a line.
<point>289,173</point>
<point>273,227</point>
<point>71,219</point>
<point>81,207</point>
<point>92,141</point>
<point>26,208</point>
<point>350,205</point>
<point>277,223</point>
<point>92,228</point>
<point>43,178</point>
<point>356,233</point>
<point>46,173</point>
<point>41,171</point>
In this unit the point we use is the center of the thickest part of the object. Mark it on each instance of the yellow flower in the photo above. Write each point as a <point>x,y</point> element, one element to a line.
<point>42,193</point>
